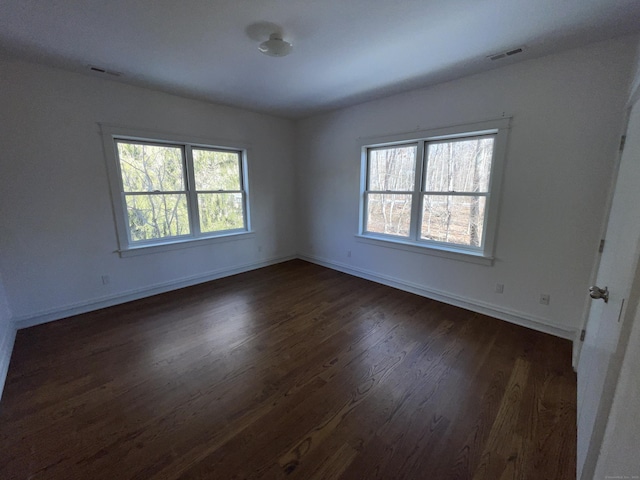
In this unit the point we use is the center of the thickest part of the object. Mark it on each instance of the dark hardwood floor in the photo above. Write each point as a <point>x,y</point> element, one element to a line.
<point>292,371</point>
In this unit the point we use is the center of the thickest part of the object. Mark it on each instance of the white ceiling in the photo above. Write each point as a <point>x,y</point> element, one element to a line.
<point>345,51</point>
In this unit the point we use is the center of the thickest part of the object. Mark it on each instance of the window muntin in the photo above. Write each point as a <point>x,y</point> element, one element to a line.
<point>153,187</point>
<point>457,179</point>
<point>451,206</point>
<point>178,192</point>
<point>391,174</point>
<point>218,180</point>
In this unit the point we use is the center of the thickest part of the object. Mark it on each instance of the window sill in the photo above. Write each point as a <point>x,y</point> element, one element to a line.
<point>179,244</point>
<point>452,253</point>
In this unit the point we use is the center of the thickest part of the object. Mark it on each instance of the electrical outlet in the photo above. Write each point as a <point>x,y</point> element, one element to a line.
<point>545,298</point>
<point>259,248</point>
<point>349,253</point>
<point>499,287</point>
<point>105,279</point>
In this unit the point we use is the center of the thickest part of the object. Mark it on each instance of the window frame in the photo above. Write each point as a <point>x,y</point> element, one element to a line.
<point>112,134</point>
<point>414,243</point>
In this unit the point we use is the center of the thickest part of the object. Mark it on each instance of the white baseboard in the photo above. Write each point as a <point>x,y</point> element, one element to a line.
<point>108,301</point>
<point>512,316</point>
<point>7,339</point>
<point>518,318</point>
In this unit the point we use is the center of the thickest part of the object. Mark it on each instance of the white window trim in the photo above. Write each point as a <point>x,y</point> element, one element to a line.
<point>110,133</point>
<point>485,256</point>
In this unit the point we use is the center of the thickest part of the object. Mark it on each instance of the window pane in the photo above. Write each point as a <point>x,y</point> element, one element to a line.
<point>216,170</point>
<point>150,168</point>
<point>157,216</point>
<point>220,211</point>
<point>389,213</point>
<point>459,165</point>
<point>392,168</point>
<point>453,219</point>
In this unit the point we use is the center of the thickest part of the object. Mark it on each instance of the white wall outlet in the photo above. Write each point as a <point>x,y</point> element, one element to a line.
<point>105,279</point>
<point>349,253</point>
<point>499,287</point>
<point>545,298</point>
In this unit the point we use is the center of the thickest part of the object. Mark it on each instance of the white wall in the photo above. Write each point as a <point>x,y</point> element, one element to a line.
<point>567,111</point>
<point>7,336</point>
<point>57,235</point>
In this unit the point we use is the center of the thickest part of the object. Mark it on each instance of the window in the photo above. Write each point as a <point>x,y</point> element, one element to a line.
<point>439,192</point>
<point>168,192</point>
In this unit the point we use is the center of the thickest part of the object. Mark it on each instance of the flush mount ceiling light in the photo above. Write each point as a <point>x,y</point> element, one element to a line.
<point>276,46</point>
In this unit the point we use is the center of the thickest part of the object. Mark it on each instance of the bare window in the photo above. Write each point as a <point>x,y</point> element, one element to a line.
<point>436,192</point>
<point>456,187</point>
<point>391,181</point>
<point>167,192</point>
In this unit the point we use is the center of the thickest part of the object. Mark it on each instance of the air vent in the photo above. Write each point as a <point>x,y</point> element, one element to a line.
<point>506,54</point>
<point>93,68</point>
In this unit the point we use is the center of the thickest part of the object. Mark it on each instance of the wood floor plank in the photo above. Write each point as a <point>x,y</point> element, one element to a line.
<point>293,371</point>
<point>323,407</point>
<point>502,446</point>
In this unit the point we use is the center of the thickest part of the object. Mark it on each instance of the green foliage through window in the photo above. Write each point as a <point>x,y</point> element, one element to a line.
<point>159,203</point>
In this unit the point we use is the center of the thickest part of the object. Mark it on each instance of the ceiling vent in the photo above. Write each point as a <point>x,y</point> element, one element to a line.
<point>95,69</point>
<point>502,55</point>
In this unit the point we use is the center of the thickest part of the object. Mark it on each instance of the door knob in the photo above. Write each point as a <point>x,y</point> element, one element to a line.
<point>597,292</point>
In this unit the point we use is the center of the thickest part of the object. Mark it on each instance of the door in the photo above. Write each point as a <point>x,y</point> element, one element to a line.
<point>598,369</point>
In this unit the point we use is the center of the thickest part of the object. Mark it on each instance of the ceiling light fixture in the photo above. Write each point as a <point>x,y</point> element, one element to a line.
<point>276,46</point>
